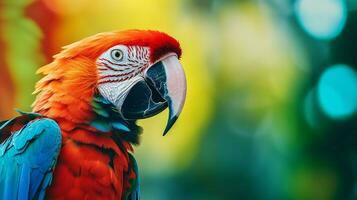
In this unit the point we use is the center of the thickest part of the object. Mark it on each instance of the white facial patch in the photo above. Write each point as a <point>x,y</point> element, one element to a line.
<point>119,69</point>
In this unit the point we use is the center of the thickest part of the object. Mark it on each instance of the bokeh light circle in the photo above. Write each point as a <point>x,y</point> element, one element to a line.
<point>337,91</point>
<point>322,19</point>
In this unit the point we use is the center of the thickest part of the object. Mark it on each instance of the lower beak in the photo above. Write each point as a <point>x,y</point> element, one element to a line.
<point>164,86</point>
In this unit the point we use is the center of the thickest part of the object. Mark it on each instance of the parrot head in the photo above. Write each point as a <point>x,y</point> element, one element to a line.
<point>137,72</point>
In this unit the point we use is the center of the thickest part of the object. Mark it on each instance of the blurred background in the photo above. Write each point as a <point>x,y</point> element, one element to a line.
<point>272,90</point>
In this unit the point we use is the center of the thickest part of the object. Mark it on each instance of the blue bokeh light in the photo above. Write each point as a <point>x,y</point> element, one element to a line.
<point>322,19</point>
<point>337,91</point>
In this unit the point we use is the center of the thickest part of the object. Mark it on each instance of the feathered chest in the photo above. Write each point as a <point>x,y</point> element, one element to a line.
<point>90,167</point>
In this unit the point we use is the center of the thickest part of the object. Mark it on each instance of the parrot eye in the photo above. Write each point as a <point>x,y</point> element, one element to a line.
<point>117,54</point>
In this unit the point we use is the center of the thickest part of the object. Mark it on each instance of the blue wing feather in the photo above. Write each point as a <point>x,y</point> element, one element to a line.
<point>27,160</point>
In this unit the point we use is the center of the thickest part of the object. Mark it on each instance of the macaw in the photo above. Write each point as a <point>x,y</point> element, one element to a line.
<point>77,141</point>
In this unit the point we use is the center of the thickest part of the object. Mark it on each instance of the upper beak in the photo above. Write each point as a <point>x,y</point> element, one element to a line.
<point>168,77</point>
<point>164,85</point>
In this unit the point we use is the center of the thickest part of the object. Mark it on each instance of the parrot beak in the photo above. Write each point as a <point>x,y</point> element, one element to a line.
<point>168,77</point>
<point>164,86</point>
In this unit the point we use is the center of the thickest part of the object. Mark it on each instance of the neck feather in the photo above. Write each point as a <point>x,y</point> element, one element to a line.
<point>66,90</point>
